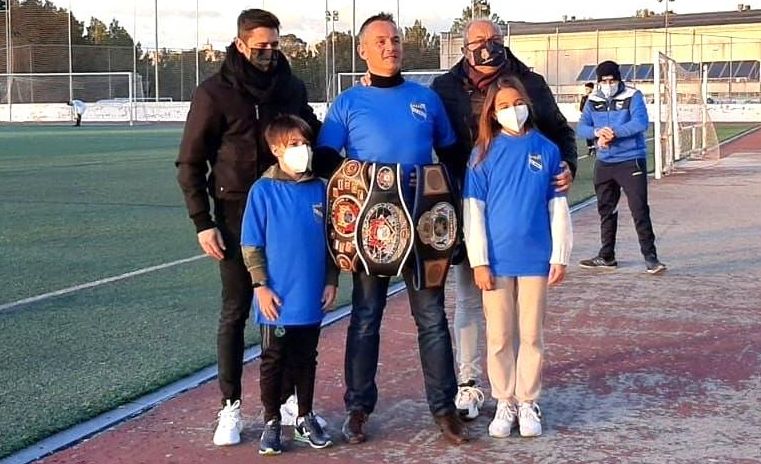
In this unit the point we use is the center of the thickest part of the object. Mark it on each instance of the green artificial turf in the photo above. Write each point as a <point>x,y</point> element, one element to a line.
<point>84,204</point>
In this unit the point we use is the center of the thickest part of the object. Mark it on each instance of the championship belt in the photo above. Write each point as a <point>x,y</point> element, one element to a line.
<point>436,226</point>
<point>347,192</point>
<point>384,227</point>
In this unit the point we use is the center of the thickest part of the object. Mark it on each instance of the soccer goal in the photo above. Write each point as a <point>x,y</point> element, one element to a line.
<point>683,127</point>
<point>42,97</point>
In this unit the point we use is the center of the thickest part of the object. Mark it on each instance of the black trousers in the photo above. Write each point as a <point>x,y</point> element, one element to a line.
<point>289,355</point>
<point>79,120</point>
<point>237,295</point>
<point>609,180</point>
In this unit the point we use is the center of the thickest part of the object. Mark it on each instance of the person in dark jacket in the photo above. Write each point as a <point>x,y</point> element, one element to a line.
<point>463,90</point>
<point>589,87</point>
<point>222,153</point>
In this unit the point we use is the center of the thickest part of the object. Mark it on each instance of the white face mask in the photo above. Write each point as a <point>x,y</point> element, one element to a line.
<point>608,90</point>
<point>297,158</point>
<point>513,118</point>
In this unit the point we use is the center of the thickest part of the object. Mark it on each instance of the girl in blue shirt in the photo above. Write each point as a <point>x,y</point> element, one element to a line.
<point>518,236</point>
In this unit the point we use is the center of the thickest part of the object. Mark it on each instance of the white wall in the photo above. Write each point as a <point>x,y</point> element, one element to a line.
<point>177,112</point>
<point>109,112</point>
<point>750,112</point>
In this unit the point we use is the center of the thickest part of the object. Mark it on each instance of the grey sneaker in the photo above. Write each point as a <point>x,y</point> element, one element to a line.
<point>655,267</point>
<point>598,262</point>
<point>308,430</point>
<point>270,444</point>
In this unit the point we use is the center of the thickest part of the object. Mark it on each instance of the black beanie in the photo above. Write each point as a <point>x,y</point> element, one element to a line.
<point>608,68</point>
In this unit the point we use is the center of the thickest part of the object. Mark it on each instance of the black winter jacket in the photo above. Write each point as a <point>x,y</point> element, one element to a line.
<point>223,150</point>
<point>455,90</point>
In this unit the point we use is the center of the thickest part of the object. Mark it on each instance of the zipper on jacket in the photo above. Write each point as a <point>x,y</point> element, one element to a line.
<point>256,108</point>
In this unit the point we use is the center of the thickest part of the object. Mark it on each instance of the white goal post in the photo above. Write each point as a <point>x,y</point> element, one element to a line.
<point>683,128</point>
<point>42,97</point>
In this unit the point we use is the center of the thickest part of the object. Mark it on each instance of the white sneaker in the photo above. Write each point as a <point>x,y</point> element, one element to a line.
<point>230,425</point>
<point>504,421</point>
<point>530,419</point>
<point>289,411</point>
<point>469,400</point>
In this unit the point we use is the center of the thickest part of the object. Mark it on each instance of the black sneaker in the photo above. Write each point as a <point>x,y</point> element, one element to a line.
<point>598,262</point>
<point>655,267</point>
<point>271,444</point>
<point>308,430</point>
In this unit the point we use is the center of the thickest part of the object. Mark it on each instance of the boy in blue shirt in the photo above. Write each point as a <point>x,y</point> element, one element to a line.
<point>284,248</point>
<point>616,115</point>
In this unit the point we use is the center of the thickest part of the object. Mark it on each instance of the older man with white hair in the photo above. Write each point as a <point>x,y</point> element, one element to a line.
<point>462,90</point>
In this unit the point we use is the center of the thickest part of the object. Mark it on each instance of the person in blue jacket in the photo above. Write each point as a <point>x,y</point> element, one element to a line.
<point>285,251</point>
<point>617,117</point>
<point>518,237</point>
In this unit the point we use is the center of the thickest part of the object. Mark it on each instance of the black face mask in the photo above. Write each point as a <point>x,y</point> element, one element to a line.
<point>263,59</point>
<point>489,54</point>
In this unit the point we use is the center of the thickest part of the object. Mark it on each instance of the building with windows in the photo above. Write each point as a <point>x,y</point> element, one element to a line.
<point>724,44</point>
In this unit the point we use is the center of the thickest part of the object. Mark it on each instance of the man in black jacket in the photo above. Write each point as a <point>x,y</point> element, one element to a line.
<point>222,153</point>
<point>589,87</point>
<point>463,90</point>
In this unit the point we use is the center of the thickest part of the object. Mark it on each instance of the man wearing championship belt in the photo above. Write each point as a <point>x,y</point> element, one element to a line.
<point>392,121</point>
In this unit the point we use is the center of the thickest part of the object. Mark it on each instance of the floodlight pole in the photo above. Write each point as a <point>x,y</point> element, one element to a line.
<point>9,59</point>
<point>333,52</point>
<point>353,38</point>
<point>71,68</point>
<point>198,60</point>
<point>133,80</point>
<point>328,17</point>
<point>666,26</point>
<point>156,55</point>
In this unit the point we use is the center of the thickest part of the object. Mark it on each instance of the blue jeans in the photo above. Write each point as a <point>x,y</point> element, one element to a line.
<point>363,339</point>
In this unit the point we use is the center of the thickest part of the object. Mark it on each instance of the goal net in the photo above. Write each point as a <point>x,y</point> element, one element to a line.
<point>683,127</point>
<point>42,97</point>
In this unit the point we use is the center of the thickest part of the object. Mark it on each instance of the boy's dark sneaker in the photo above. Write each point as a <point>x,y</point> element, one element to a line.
<point>354,427</point>
<point>271,444</point>
<point>655,267</point>
<point>598,262</point>
<point>309,430</point>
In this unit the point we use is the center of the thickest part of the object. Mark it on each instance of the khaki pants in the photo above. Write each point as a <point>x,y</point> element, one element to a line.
<point>514,313</point>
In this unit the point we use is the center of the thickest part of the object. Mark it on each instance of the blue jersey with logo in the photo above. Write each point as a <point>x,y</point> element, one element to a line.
<point>401,124</point>
<point>286,218</point>
<point>515,183</point>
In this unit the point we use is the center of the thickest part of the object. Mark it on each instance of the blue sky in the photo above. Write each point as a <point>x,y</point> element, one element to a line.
<point>305,18</point>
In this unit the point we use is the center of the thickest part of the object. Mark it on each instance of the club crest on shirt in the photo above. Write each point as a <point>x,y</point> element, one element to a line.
<point>419,111</point>
<point>317,210</point>
<point>535,162</point>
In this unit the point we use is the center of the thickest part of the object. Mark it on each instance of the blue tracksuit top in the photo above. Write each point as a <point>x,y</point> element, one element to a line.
<point>625,113</point>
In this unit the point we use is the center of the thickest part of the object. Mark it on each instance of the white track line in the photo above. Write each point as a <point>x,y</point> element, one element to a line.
<point>95,283</point>
<point>79,432</point>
